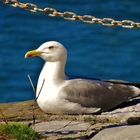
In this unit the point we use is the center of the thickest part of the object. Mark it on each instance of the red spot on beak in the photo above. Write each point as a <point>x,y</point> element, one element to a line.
<point>30,55</point>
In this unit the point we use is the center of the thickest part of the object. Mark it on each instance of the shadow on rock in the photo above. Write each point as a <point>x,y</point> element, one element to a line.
<point>132,102</point>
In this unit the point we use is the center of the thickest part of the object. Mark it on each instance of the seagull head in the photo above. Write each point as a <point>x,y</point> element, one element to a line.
<point>50,51</point>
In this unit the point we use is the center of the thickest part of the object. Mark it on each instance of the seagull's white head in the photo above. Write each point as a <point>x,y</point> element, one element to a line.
<point>50,51</point>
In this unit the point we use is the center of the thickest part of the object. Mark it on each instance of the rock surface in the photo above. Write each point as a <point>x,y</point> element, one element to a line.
<point>119,133</point>
<point>77,126</point>
<point>61,128</point>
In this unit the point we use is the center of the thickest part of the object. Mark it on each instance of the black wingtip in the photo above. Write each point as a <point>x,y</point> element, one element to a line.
<point>136,84</point>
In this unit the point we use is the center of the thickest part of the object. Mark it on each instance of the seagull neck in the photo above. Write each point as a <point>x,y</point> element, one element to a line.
<point>54,71</point>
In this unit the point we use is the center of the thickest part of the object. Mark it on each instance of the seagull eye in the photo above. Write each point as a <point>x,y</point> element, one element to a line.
<point>51,47</point>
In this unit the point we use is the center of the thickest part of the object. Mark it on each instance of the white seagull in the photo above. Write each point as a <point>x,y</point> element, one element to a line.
<point>75,96</point>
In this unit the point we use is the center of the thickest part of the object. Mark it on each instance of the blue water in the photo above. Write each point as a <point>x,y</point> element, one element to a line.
<point>93,50</point>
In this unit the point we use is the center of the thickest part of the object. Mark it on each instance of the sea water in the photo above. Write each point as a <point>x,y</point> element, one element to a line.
<point>94,51</point>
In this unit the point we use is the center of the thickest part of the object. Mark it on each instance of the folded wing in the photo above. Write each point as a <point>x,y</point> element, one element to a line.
<point>95,93</point>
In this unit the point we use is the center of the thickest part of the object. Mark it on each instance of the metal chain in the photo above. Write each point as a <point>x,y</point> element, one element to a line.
<point>71,16</point>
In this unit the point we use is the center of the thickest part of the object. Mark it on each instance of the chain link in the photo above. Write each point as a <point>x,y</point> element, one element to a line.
<point>71,15</point>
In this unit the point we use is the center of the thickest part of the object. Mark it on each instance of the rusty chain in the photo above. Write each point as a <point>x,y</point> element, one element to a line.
<point>71,15</point>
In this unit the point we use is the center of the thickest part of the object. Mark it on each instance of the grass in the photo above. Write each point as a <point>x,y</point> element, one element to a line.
<point>18,131</point>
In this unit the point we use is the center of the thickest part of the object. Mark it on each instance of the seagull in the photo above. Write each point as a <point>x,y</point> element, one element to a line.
<point>75,96</point>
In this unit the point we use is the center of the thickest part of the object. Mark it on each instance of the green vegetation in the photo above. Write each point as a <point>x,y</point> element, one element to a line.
<point>18,131</point>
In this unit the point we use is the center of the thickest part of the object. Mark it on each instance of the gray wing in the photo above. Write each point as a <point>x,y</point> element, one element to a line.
<point>94,93</point>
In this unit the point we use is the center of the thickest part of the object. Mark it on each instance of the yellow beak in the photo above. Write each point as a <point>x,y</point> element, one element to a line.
<point>32,53</point>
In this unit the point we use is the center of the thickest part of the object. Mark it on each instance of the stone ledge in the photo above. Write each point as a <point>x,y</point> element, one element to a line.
<point>70,126</point>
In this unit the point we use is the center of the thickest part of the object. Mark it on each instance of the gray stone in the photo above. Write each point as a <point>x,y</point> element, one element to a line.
<point>130,109</point>
<point>61,127</point>
<point>119,133</point>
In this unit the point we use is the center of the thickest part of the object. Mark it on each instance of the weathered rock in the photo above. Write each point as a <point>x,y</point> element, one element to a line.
<point>119,133</point>
<point>61,128</point>
<point>19,111</point>
<point>125,111</point>
<point>56,126</point>
<point>71,126</point>
<point>23,111</point>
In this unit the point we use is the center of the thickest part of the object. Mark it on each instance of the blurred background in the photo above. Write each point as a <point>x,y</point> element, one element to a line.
<point>94,51</point>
